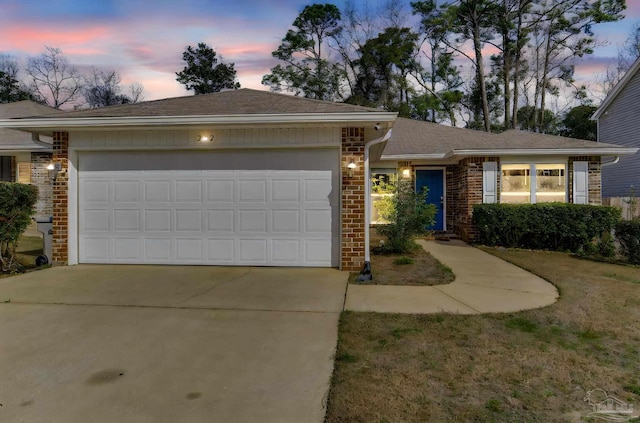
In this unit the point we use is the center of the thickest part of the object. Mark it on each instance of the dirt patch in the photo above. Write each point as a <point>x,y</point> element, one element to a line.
<point>416,268</point>
<point>533,366</point>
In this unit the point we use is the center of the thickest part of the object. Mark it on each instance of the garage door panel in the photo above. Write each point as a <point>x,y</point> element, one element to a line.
<point>285,190</point>
<point>285,221</point>
<point>188,220</point>
<point>95,220</point>
<point>252,221</point>
<point>220,191</point>
<point>157,249</point>
<point>126,191</point>
<point>221,251</point>
<point>253,251</point>
<point>252,190</point>
<point>224,217</point>
<point>286,251</point>
<point>157,191</point>
<point>127,249</point>
<point>94,191</point>
<point>126,220</point>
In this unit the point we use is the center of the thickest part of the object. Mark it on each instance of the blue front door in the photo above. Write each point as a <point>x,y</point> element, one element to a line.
<point>434,181</point>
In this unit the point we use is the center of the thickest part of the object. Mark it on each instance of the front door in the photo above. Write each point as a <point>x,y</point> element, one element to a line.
<point>433,179</point>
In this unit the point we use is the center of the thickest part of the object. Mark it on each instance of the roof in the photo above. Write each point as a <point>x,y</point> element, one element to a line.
<point>12,140</point>
<point>413,139</point>
<point>617,89</point>
<point>233,102</point>
<point>235,107</point>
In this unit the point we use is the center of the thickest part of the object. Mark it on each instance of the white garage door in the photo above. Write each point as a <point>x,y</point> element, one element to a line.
<point>270,208</point>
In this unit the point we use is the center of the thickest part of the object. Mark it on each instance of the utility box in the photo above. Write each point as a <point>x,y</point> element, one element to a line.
<point>45,225</point>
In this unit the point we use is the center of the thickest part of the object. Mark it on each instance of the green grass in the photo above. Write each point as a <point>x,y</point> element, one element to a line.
<point>403,260</point>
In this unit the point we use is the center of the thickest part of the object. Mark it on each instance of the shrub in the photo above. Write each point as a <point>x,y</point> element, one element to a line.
<point>628,235</point>
<point>578,228</point>
<point>408,215</point>
<point>16,207</point>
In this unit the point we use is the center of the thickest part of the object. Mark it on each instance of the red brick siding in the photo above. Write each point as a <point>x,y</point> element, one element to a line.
<point>353,202</point>
<point>464,190</point>
<point>60,199</point>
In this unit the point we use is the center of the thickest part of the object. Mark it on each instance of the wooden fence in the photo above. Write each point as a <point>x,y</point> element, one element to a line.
<point>630,205</point>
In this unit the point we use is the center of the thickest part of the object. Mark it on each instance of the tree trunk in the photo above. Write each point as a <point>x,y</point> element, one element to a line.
<point>480,75</point>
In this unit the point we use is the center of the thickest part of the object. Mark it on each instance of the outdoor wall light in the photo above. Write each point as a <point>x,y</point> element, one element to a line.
<point>350,168</point>
<point>406,173</point>
<point>205,138</point>
<point>53,169</point>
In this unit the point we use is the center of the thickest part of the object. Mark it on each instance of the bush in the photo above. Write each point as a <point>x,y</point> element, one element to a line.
<point>16,207</point>
<point>628,235</point>
<point>408,215</point>
<point>548,226</point>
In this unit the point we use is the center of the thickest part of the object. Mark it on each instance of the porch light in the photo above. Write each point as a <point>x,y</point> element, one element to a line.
<point>53,169</point>
<point>350,168</point>
<point>406,173</point>
<point>205,138</point>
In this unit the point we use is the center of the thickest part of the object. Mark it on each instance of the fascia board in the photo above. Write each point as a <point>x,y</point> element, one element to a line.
<point>608,151</point>
<point>156,121</point>
<point>406,157</point>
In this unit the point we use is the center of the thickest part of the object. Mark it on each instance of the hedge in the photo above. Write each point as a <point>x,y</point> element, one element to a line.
<point>17,203</point>
<point>628,235</point>
<point>548,226</point>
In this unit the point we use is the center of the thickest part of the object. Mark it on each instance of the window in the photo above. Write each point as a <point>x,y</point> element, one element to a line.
<point>533,183</point>
<point>383,185</point>
<point>5,168</point>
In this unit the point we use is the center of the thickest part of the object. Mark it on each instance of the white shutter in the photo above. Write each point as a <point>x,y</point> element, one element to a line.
<point>580,182</point>
<point>489,182</point>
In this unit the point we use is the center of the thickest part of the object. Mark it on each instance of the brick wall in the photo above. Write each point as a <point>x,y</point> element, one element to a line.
<point>41,179</point>
<point>353,203</point>
<point>464,190</point>
<point>60,199</point>
<point>595,178</point>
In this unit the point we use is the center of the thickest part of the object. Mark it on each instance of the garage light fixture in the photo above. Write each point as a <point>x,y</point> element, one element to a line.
<point>205,138</point>
<point>350,168</point>
<point>406,173</point>
<point>53,169</point>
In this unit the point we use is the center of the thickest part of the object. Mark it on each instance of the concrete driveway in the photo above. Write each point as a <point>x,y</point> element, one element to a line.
<point>94,343</point>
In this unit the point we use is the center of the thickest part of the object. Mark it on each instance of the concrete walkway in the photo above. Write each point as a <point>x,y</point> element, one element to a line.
<point>483,284</point>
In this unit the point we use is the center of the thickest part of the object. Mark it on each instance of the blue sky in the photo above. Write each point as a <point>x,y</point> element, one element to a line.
<point>144,39</point>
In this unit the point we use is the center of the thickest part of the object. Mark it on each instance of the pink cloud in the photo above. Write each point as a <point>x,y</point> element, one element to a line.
<point>33,40</point>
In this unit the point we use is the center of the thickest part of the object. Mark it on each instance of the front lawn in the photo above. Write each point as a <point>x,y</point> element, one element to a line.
<point>532,366</point>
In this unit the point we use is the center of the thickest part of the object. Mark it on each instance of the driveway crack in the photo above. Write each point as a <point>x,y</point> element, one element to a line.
<point>211,288</point>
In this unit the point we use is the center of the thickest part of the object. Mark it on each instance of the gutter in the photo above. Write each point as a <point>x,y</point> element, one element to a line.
<point>144,121</point>
<point>366,271</point>
<point>600,151</point>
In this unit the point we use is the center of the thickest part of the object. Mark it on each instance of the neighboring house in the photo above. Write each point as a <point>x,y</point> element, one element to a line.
<point>618,120</point>
<point>24,157</point>
<point>463,167</point>
<point>255,178</point>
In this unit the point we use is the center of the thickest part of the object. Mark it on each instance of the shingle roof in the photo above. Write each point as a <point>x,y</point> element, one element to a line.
<point>411,137</point>
<point>18,140</point>
<point>235,102</point>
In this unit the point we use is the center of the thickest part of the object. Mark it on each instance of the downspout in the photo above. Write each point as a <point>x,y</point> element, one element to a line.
<point>36,139</point>
<point>366,271</point>
<point>612,162</point>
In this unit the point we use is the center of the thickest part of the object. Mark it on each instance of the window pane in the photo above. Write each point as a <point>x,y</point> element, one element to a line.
<point>551,183</point>
<point>515,184</point>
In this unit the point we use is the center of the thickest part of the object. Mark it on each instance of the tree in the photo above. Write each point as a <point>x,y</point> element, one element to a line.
<point>53,79</point>
<point>441,79</point>
<point>306,70</point>
<point>203,74</point>
<point>17,203</point>
<point>528,120</point>
<point>383,67</point>
<point>577,123</point>
<point>103,89</point>
<point>11,91</point>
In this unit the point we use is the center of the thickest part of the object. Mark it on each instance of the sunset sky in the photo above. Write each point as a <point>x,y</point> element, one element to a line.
<point>144,40</point>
